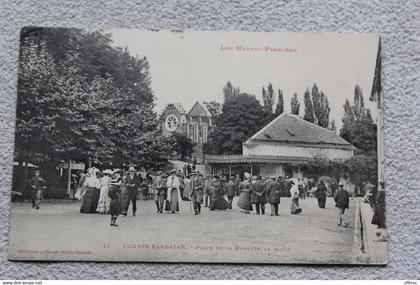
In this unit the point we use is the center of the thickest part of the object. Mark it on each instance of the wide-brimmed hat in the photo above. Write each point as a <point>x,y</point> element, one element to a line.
<point>131,169</point>
<point>273,177</point>
<point>172,171</point>
<point>159,172</point>
<point>341,184</point>
<point>193,173</point>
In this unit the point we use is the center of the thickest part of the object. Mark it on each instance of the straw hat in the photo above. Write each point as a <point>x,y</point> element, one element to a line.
<point>131,169</point>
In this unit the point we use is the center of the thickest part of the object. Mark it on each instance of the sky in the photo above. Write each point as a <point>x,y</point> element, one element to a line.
<point>192,66</point>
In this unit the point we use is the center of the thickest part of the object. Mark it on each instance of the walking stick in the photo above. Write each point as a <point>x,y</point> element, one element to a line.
<point>190,205</point>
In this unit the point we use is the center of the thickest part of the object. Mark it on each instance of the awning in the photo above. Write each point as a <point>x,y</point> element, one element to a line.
<point>255,159</point>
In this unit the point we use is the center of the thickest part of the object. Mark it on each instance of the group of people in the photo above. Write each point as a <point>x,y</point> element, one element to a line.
<point>111,192</point>
<point>108,192</point>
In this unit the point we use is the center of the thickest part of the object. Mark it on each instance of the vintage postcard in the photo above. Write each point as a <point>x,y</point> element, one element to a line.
<point>206,147</point>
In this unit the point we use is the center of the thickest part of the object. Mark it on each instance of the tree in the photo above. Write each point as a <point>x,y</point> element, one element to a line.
<point>294,105</point>
<point>184,145</point>
<point>333,127</point>
<point>214,107</point>
<point>97,57</point>
<point>358,126</point>
<point>230,92</point>
<point>241,117</point>
<point>280,103</point>
<point>321,107</point>
<point>268,99</point>
<point>65,111</point>
<point>324,114</point>
<point>309,107</point>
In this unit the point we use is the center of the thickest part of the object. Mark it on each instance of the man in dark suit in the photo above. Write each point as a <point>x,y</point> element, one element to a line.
<point>196,192</point>
<point>259,195</point>
<point>273,193</point>
<point>37,185</point>
<point>132,182</point>
<point>341,199</point>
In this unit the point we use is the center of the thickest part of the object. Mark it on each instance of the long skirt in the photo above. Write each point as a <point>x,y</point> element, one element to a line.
<point>104,201</point>
<point>219,203</point>
<point>174,203</point>
<point>90,200</point>
<point>321,201</point>
<point>244,201</point>
<point>123,198</point>
<point>115,207</point>
<point>294,208</point>
<point>379,216</point>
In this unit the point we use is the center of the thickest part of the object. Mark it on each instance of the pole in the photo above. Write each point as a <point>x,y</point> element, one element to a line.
<point>69,179</point>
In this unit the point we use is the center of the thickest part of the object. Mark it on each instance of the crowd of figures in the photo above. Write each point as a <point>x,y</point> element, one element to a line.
<point>112,192</point>
<point>109,192</point>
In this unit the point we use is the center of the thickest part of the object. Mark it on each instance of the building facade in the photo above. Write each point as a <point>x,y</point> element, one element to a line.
<point>282,147</point>
<point>195,124</point>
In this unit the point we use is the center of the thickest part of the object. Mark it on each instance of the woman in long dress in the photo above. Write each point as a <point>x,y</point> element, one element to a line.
<point>104,199</point>
<point>91,197</point>
<point>118,181</point>
<point>115,204</point>
<point>185,194</point>
<point>321,194</point>
<point>244,201</point>
<point>294,194</point>
<point>379,207</point>
<point>219,202</point>
<point>173,194</point>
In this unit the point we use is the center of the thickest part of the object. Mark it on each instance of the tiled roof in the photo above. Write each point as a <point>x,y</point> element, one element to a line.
<point>292,128</point>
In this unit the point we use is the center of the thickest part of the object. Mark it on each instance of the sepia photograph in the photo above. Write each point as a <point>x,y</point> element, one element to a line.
<point>198,146</point>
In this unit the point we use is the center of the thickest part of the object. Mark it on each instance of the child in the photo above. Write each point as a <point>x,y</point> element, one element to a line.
<point>115,204</point>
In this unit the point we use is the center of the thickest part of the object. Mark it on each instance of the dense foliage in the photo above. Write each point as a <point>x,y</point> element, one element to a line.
<point>81,99</point>
<point>359,169</point>
<point>358,126</point>
<point>184,145</point>
<point>214,107</point>
<point>241,117</point>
